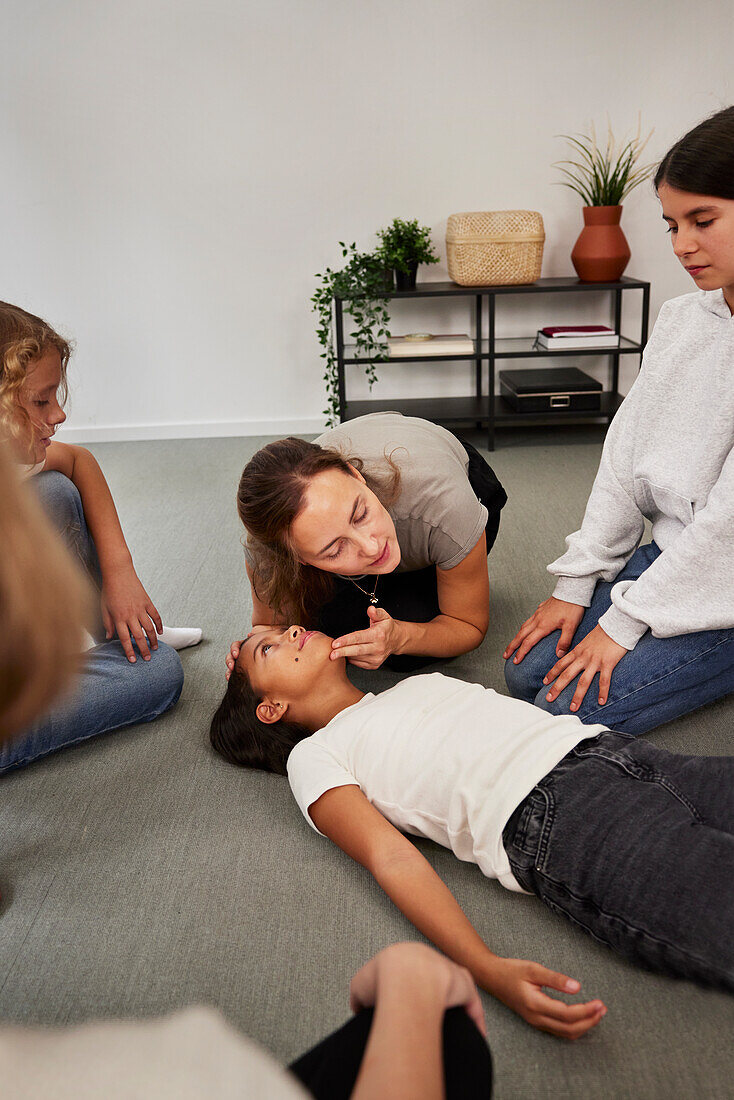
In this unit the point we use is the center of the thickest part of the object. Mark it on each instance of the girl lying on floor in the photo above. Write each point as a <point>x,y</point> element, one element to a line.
<point>112,690</point>
<point>632,843</point>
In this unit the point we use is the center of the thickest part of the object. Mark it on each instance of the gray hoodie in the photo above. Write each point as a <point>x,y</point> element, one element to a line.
<point>668,457</point>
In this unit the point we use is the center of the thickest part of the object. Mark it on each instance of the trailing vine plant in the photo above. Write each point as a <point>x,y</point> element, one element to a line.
<point>362,284</point>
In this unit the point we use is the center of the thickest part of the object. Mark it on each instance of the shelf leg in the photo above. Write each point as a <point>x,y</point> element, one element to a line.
<point>490,381</point>
<point>339,315</point>
<point>478,347</point>
<point>645,315</point>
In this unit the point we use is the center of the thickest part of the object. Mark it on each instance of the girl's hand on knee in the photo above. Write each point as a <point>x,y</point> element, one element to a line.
<point>129,612</point>
<point>597,652</point>
<point>551,615</point>
<point>519,984</point>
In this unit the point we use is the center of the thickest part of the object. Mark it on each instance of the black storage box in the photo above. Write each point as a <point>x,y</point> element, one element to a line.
<point>550,389</point>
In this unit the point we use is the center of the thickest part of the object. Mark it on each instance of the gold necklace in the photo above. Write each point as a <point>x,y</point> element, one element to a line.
<point>372,597</point>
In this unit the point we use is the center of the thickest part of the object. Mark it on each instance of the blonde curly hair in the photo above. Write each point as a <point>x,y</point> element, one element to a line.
<point>24,338</point>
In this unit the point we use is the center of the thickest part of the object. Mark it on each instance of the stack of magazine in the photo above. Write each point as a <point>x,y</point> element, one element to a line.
<point>426,344</point>
<point>575,337</point>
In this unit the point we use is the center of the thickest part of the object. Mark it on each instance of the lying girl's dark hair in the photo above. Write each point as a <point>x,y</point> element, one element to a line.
<point>238,735</point>
<point>702,161</point>
<point>270,496</point>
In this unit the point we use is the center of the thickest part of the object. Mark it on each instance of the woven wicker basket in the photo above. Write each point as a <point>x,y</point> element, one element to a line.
<point>495,247</point>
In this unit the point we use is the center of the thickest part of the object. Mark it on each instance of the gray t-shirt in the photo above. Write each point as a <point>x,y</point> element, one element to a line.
<point>438,518</point>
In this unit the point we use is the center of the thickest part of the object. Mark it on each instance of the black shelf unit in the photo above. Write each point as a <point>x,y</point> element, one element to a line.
<point>490,409</point>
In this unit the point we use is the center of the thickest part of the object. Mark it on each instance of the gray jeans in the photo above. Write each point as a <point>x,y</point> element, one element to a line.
<point>636,846</point>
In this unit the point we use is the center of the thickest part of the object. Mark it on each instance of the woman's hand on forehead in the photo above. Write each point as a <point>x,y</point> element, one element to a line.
<point>234,650</point>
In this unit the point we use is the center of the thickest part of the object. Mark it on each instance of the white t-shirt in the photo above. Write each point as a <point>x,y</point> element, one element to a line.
<point>441,759</point>
<point>191,1055</point>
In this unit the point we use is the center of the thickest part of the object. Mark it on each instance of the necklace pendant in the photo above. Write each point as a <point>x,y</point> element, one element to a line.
<point>374,601</point>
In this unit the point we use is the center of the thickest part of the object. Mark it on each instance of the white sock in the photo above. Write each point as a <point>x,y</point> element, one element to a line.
<point>180,637</point>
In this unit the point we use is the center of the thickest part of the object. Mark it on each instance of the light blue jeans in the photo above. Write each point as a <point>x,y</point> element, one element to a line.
<point>660,679</point>
<point>109,691</point>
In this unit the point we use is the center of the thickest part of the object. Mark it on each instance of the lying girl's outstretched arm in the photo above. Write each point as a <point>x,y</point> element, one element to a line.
<point>346,816</point>
<point>127,609</point>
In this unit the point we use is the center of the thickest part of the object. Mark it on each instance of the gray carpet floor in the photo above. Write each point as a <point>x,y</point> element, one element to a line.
<point>141,873</point>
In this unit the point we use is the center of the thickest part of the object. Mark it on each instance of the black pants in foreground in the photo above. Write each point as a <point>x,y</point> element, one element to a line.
<point>329,1070</point>
<point>412,596</point>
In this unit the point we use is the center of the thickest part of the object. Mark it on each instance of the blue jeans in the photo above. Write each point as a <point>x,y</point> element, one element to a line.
<point>109,691</point>
<point>660,679</point>
<point>636,846</point>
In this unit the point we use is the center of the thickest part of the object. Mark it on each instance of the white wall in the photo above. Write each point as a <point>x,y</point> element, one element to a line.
<point>175,172</point>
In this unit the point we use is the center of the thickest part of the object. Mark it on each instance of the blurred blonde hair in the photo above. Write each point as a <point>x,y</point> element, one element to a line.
<point>24,338</point>
<point>43,602</point>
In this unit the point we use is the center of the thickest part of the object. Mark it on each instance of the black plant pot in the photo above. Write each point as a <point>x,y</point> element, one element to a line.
<point>389,279</point>
<point>405,280</point>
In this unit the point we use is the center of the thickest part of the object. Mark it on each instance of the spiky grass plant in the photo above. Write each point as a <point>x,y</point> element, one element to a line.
<point>603,176</point>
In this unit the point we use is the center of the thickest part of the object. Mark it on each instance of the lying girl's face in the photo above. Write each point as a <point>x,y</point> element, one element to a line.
<point>343,528</point>
<point>38,397</point>
<point>701,228</point>
<point>287,664</point>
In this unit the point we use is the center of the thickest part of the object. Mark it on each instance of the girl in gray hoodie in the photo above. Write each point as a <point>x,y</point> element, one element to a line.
<point>636,635</point>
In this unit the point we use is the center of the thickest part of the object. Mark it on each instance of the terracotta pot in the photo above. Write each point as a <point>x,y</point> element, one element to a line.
<point>601,253</point>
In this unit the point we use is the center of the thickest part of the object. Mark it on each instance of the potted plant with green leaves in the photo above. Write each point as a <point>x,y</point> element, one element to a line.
<point>603,176</point>
<point>403,246</point>
<point>362,285</point>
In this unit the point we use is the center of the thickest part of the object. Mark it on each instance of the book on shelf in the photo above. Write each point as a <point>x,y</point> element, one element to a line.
<point>576,337</point>
<point>427,344</point>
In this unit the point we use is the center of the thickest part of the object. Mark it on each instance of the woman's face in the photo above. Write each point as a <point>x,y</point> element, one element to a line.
<point>343,528</point>
<point>702,231</point>
<point>38,397</point>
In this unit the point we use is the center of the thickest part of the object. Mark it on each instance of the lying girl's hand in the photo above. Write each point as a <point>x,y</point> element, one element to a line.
<point>597,652</point>
<point>519,984</point>
<point>369,648</point>
<point>128,611</point>
<point>229,660</point>
<point>551,615</point>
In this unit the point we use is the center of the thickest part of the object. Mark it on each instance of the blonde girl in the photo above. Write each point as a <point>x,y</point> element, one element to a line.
<point>114,689</point>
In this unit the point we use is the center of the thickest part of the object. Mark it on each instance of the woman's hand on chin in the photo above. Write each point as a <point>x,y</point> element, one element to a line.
<point>520,984</point>
<point>369,648</point>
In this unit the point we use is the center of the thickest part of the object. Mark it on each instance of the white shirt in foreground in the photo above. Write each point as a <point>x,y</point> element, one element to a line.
<point>191,1055</point>
<point>441,759</point>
